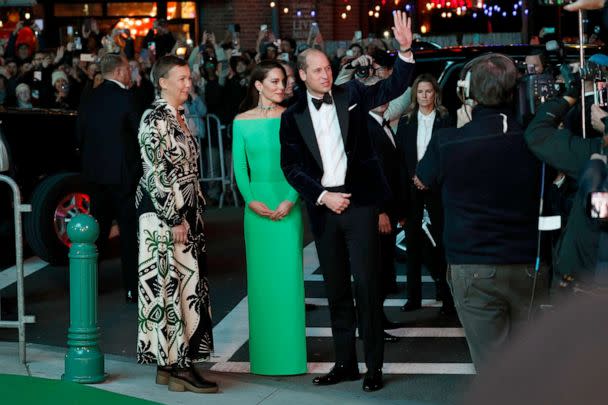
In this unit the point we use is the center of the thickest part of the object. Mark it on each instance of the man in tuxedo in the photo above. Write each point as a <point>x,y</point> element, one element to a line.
<point>107,128</point>
<point>327,156</point>
<point>388,151</point>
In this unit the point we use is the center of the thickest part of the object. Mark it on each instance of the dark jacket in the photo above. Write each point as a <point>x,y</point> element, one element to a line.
<point>389,156</point>
<point>107,129</point>
<point>490,188</point>
<point>407,136</point>
<point>576,250</point>
<point>300,155</point>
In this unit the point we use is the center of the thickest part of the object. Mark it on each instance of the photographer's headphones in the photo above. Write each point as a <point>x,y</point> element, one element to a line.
<point>463,85</point>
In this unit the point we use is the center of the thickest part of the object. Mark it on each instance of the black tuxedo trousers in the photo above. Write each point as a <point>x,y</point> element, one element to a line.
<point>117,202</point>
<point>348,244</point>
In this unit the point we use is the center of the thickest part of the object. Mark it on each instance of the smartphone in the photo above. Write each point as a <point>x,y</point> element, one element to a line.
<point>87,57</point>
<point>38,75</point>
<point>152,46</point>
<point>600,93</point>
<point>358,35</point>
<point>70,30</point>
<point>549,30</point>
<point>350,53</point>
<point>598,205</point>
<point>283,56</point>
<point>78,43</point>
<point>264,27</point>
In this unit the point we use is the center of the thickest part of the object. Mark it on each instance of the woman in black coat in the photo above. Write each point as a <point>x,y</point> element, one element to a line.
<point>424,116</point>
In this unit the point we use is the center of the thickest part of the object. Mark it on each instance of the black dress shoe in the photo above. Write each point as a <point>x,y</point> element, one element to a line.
<point>411,306</point>
<point>372,381</point>
<point>338,374</point>
<point>390,338</point>
<point>388,325</point>
<point>185,379</point>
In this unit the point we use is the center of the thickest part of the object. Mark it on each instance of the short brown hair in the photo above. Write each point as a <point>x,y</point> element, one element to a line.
<point>493,78</point>
<point>163,66</point>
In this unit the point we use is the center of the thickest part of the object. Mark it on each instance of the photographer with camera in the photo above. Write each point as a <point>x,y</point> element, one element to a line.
<point>490,185</point>
<point>371,68</point>
<point>576,251</point>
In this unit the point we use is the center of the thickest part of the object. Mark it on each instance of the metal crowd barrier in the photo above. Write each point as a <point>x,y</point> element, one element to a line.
<point>22,319</point>
<point>206,163</point>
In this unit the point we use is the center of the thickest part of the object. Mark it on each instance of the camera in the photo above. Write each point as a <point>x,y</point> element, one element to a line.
<point>363,72</point>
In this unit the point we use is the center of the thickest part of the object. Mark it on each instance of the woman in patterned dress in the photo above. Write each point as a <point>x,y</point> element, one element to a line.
<point>174,317</point>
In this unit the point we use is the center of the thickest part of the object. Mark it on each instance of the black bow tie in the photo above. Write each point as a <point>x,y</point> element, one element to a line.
<point>386,123</point>
<point>319,102</point>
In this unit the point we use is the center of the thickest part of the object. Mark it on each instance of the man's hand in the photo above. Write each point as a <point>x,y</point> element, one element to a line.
<point>597,117</point>
<point>402,29</point>
<point>364,60</point>
<point>261,209</point>
<point>384,224</point>
<point>337,202</point>
<point>585,5</point>
<point>282,211</point>
<point>419,184</point>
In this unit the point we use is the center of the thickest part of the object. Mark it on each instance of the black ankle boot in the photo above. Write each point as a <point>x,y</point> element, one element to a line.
<point>185,379</point>
<point>162,374</point>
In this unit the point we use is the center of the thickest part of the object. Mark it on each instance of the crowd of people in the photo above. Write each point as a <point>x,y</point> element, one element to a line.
<point>302,139</point>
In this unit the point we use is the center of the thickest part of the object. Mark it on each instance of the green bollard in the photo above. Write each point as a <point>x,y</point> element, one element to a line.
<point>84,362</point>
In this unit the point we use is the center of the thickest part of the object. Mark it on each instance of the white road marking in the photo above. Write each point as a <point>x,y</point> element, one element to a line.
<point>401,332</point>
<point>387,303</point>
<point>400,279</point>
<point>30,266</point>
<point>387,368</point>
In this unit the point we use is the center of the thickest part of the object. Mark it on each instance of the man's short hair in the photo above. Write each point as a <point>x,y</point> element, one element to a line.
<point>301,62</point>
<point>493,78</point>
<point>110,62</point>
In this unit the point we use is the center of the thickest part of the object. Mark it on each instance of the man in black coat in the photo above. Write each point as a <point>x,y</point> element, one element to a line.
<point>490,187</point>
<point>388,151</point>
<point>326,155</point>
<point>107,128</point>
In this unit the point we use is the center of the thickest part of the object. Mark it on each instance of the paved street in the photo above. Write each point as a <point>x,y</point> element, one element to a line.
<point>430,364</point>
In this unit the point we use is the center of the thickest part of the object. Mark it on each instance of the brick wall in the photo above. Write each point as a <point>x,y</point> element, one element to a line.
<point>250,14</point>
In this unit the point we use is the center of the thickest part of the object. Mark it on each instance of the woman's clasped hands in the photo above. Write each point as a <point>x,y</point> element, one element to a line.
<point>262,210</point>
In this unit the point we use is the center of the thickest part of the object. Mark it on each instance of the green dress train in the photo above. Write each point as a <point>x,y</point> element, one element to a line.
<point>275,284</point>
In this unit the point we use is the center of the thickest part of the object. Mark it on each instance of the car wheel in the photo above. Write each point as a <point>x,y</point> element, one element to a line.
<point>55,201</point>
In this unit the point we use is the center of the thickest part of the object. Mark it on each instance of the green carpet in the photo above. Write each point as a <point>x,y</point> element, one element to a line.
<point>23,390</point>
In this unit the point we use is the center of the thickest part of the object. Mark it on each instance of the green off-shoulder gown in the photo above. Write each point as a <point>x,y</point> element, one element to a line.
<point>275,285</point>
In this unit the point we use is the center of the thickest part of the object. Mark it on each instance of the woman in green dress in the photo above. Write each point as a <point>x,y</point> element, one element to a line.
<point>273,230</point>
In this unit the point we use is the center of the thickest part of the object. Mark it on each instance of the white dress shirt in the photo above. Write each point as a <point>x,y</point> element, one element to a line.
<point>388,131</point>
<point>425,130</point>
<point>331,145</point>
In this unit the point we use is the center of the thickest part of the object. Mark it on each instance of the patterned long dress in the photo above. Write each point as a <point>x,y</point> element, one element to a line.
<point>174,316</point>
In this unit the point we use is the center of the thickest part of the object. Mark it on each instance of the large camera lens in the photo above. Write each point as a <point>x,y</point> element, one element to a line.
<point>363,72</point>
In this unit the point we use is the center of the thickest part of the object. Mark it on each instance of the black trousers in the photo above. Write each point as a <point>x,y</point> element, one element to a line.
<point>116,202</point>
<point>388,275</point>
<point>349,244</point>
<point>420,249</point>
